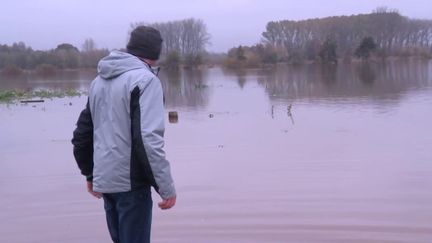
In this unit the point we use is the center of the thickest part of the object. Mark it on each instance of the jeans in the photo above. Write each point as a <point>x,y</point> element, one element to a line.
<point>129,215</point>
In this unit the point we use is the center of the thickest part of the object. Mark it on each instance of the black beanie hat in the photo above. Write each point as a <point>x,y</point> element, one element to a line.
<point>145,42</point>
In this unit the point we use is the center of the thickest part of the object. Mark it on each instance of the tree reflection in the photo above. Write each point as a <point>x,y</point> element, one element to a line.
<point>328,73</point>
<point>383,80</point>
<point>185,87</point>
<point>240,75</point>
<point>366,73</point>
<point>60,80</point>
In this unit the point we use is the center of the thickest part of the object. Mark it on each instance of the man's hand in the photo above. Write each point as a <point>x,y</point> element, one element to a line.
<point>167,203</point>
<point>90,190</point>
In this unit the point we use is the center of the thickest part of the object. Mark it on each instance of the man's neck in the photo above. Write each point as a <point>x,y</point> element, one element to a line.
<point>148,61</point>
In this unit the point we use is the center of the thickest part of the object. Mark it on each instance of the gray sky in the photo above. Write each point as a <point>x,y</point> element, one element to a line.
<point>43,24</point>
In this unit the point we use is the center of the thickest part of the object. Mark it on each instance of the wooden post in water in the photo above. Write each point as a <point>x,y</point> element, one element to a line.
<point>173,117</point>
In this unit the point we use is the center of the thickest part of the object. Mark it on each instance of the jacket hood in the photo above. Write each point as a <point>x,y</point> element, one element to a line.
<point>117,63</point>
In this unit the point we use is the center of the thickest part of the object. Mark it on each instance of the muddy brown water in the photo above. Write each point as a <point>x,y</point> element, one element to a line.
<point>298,154</point>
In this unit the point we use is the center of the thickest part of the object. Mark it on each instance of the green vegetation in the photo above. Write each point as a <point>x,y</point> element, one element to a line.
<point>54,93</point>
<point>16,95</point>
<point>8,96</point>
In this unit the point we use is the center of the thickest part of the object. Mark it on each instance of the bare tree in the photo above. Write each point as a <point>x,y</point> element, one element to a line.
<point>88,45</point>
<point>391,32</point>
<point>188,37</point>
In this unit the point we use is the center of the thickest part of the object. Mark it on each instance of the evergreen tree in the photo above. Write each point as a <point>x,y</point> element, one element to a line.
<point>365,48</point>
<point>328,51</point>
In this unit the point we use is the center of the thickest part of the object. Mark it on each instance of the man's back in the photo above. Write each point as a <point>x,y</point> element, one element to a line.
<point>118,142</point>
<point>110,98</point>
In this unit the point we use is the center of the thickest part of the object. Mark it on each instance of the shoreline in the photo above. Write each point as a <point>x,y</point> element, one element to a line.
<point>13,71</point>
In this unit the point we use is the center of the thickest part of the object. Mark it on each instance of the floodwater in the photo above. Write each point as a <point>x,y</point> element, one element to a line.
<point>293,154</point>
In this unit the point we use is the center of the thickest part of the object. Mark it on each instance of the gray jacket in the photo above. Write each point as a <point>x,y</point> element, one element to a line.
<point>118,142</point>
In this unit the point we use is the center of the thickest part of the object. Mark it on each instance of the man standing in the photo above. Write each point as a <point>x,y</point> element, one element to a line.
<point>118,141</point>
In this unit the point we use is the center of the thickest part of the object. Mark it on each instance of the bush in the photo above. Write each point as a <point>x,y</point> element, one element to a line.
<point>252,60</point>
<point>328,51</point>
<point>191,60</point>
<point>233,63</point>
<point>365,48</point>
<point>270,57</point>
<point>11,70</point>
<point>295,58</point>
<point>172,60</point>
<point>46,69</point>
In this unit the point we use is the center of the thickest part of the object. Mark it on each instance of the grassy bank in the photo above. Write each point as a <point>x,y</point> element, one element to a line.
<point>12,96</point>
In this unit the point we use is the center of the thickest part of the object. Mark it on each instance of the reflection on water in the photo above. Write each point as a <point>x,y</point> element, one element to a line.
<point>185,88</point>
<point>192,88</point>
<point>288,154</point>
<point>240,74</point>
<point>360,80</point>
<point>62,80</point>
<point>366,73</point>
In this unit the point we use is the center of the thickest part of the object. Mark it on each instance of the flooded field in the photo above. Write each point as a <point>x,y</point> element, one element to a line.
<point>291,154</point>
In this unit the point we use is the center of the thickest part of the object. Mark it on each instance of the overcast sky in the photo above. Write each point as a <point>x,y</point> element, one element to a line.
<point>43,24</point>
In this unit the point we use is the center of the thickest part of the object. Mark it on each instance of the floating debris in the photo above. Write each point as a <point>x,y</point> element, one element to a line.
<point>32,101</point>
<point>173,116</point>
<point>211,115</point>
<point>200,86</point>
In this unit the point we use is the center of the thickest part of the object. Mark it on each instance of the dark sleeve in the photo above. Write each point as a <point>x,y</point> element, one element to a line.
<point>83,143</point>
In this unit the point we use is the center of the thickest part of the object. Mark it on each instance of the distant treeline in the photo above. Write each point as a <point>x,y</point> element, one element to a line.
<point>184,44</point>
<point>384,31</point>
<point>64,56</point>
<point>380,34</point>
